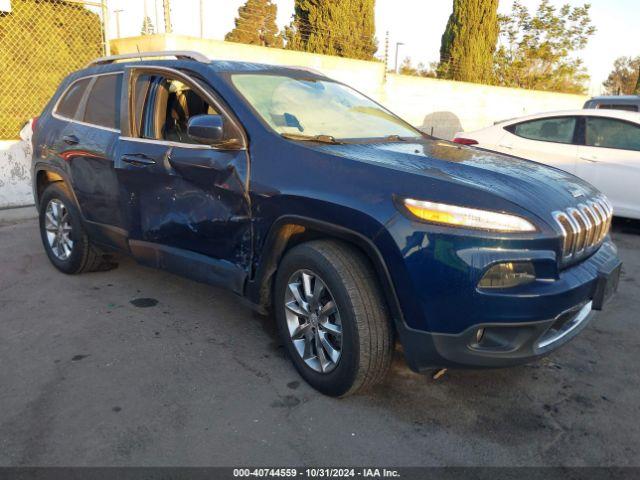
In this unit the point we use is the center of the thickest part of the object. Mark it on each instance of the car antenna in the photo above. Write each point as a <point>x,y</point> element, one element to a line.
<point>139,52</point>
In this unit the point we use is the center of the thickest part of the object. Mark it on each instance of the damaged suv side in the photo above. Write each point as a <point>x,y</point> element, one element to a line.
<point>314,202</point>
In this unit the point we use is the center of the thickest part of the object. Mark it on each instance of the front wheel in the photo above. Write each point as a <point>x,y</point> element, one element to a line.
<point>332,318</point>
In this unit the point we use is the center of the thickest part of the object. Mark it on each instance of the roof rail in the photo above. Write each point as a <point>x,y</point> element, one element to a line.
<point>178,54</point>
<point>307,69</point>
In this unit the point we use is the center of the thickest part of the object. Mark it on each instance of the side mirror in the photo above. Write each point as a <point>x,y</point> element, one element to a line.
<point>206,129</point>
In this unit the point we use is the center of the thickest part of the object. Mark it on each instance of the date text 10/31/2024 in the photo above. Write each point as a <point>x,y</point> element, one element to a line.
<point>316,473</point>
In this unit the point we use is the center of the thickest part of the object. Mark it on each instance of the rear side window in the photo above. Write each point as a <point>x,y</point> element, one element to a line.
<point>611,133</point>
<point>619,106</point>
<point>103,103</point>
<point>70,102</point>
<point>555,129</point>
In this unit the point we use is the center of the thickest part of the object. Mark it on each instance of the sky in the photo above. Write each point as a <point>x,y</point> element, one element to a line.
<point>418,24</point>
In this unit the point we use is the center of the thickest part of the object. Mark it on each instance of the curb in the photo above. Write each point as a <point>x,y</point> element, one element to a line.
<point>16,214</point>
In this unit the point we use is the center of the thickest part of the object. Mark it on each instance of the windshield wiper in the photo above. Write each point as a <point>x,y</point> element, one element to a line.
<point>311,138</point>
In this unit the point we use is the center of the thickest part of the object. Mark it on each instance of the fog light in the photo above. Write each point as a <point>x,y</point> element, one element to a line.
<point>508,275</point>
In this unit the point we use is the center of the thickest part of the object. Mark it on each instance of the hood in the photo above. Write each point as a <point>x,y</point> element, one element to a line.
<point>538,188</point>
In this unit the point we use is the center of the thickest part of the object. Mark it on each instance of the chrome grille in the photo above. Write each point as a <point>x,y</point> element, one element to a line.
<point>584,228</point>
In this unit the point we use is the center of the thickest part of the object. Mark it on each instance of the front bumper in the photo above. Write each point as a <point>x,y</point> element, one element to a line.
<point>518,327</point>
<point>501,345</point>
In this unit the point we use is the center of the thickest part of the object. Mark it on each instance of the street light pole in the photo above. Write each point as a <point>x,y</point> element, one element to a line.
<point>117,14</point>
<point>201,19</point>
<point>105,26</point>
<point>397,48</point>
<point>155,8</point>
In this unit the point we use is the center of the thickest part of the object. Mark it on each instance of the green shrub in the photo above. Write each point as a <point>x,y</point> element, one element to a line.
<point>41,42</point>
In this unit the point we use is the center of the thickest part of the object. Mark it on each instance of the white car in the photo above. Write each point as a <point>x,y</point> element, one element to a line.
<point>600,146</point>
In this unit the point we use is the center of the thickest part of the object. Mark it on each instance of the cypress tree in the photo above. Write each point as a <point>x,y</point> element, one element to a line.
<point>147,26</point>
<point>345,28</point>
<point>256,24</point>
<point>469,41</point>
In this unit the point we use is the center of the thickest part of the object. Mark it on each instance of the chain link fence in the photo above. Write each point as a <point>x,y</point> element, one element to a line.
<point>42,41</point>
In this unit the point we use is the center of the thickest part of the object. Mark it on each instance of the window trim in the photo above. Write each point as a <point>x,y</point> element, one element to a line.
<point>83,102</point>
<point>574,138</point>
<point>59,116</point>
<point>584,131</point>
<point>616,106</point>
<point>203,90</point>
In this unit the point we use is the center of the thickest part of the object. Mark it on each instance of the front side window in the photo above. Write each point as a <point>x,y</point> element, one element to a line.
<point>70,102</point>
<point>103,103</point>
<point>313,107</point>
<point>612,133</point>
<point>555,129</point>
<point>163,106</point>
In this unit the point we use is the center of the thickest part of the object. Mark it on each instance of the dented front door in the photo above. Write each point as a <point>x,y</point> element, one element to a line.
<point>185,204</point>
<point>189,198</point>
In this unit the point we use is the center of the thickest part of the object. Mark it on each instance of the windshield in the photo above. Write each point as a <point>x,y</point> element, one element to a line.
<point>313,108</point>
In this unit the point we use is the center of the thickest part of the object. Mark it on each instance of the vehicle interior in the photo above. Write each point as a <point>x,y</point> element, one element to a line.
<point>173,104</point>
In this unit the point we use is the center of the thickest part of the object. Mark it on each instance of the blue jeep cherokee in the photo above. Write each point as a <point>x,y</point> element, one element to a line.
<point>310,200</point>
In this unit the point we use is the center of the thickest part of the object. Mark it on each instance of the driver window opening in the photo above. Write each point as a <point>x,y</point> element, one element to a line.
<point>163,107</point>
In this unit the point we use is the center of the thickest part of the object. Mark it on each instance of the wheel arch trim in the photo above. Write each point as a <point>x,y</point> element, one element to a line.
<point>38,170</point>
<point>258,290</point>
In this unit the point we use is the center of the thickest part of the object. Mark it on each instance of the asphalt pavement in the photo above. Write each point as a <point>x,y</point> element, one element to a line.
<point>139,367</point>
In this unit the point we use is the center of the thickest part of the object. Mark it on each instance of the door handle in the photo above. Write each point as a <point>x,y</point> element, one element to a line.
<point>138,159</point>
<point>70,139</point>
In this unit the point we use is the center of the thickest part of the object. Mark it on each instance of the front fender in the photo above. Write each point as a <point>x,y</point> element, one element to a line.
<point>259,288</point>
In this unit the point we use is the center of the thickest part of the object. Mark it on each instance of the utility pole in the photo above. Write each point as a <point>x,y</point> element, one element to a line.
<point>201,18</point>
<point>105,26</point>
<point>386,55</point>
<point>167,16</point>
<point>155,8</point>
<point>397,48</point>
<point>117,13</point>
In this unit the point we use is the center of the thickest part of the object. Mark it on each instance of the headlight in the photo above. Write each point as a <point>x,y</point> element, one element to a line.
<point>467,217</point>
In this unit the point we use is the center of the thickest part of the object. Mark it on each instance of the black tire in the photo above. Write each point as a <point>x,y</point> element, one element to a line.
<point>367,334</point>
<point>84,256</point>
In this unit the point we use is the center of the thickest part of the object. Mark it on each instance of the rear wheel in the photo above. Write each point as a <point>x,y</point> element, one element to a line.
<point>64,238</point>
<point>332,318</point>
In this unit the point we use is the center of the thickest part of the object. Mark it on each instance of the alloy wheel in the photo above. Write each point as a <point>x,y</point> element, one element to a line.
<point>57,225</point>
<point>313,321</point>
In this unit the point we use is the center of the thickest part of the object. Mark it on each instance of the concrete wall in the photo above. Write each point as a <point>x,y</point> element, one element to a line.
<point>366,76</point>
<point>442,107</point>
<point>439,107</point>
<point>15,173</point>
